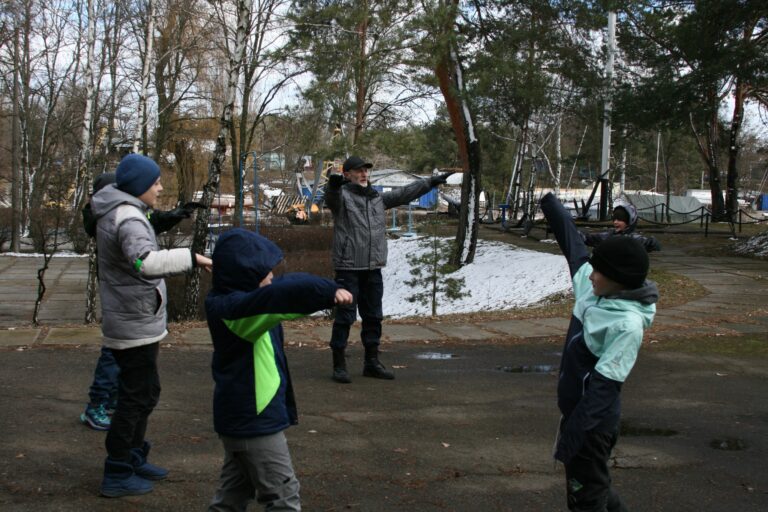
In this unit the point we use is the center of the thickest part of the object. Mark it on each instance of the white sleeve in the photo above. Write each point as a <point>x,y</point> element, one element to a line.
<point>167,262</point>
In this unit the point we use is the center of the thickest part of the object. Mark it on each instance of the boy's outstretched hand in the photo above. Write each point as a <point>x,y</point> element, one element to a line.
<point>204,262</point>
<point>343,297</point>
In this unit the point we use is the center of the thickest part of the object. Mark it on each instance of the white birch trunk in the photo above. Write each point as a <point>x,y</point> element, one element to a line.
<point>217,161</point>
<point>145,75</point>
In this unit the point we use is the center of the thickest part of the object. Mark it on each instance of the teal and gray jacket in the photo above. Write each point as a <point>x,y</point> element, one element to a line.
<point>359,221</point>
<point>601,345</point>
<point>131,270</point>
<point>253,394</point>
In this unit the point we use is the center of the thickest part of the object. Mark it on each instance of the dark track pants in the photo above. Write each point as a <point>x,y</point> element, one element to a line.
<point>367,288</point>
<point>588,481</point>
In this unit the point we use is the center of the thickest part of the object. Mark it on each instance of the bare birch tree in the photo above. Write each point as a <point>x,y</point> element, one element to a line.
<point>217,160</point>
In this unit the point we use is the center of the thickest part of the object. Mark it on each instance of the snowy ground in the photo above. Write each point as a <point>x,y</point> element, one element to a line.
<point>756,245</point>
<point>501,277</point>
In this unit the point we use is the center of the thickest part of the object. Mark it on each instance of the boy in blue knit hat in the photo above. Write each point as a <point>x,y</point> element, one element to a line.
<point>253,401</point>
<point>614,303</point>
<point>133,301</point>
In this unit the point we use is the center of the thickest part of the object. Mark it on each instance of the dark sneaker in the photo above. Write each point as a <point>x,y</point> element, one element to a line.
<point>96,417</point>
<point>375,369</point>
<point>341,376</point>
<point>121,480</point>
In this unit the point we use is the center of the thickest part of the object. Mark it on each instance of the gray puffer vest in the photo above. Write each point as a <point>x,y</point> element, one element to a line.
<point>132,304</point>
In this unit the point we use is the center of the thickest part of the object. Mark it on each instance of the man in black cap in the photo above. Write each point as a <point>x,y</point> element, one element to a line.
<point>359,254</point>
<point>613,305</point>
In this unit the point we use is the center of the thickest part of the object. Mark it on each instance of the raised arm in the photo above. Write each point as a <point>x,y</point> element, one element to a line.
<point>568,237</point>
<point>333,192</point>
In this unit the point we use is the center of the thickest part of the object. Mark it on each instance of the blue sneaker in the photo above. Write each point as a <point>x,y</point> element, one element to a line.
<point>120,480</point>
<point>96,417</point>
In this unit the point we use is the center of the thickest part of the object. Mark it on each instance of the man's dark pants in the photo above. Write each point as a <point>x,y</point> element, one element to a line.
<point>139,391</point>
<point>367,288</point>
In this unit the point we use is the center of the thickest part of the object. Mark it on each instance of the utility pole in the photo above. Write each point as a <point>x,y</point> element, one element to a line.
<point>606,151</point>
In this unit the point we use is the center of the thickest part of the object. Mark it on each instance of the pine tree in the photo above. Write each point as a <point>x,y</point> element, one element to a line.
<point>430,270</point>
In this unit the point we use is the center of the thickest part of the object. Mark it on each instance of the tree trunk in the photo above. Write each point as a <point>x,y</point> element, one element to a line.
<point>16,219</point>
<point>732,176</point>
<point>450,77</point>
<point>361,79</point>
<point>141,127</point>
<point>217,161</point>
<point>708,154</point>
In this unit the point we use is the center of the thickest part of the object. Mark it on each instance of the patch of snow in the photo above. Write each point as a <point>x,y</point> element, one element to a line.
<point>62,254</point>
<point>756,246</point>
<point>502,276</point>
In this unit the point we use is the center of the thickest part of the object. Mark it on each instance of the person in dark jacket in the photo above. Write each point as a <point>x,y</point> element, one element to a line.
<point>614,303</point>
<point>134,319</point>
<point>253,400</point>
<point>359,254</point>
<point>102,394</point>
<point>624,224</point>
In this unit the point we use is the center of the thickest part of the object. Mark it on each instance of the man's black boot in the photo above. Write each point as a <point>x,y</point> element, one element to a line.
<point>340,374</point>
<point>373,367</point>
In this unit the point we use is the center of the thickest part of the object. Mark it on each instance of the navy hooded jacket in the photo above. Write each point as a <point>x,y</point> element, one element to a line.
<point>253,394</point>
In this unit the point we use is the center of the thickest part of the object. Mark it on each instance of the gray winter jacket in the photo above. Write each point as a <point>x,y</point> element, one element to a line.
<point>131,267</point>
<point>359,221</point>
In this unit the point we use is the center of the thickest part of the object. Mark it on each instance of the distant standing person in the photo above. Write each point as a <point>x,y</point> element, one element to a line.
<point>614,303</point>
<point>133,303</point>
<point>624,224</point>
<point>359,254</point>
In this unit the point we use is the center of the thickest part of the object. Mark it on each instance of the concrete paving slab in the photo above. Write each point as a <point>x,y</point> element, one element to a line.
<point>520,328</point>
<point>18,337</point>
<point>407,332</point>
<point>73,336</point>
<point>462,331</point>
<point>195,336</point>
<point>559,324</point>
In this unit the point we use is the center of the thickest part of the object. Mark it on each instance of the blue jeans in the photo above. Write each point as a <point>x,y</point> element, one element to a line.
<point>367,288</point>
<point>104,387</point>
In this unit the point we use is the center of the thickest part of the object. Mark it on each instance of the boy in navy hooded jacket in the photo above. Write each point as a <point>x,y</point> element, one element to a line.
<point>253,401</point>
<point>613,305</point>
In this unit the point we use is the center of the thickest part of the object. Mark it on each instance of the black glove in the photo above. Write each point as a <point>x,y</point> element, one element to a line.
<point>190,207</point>
<point>440,179</point>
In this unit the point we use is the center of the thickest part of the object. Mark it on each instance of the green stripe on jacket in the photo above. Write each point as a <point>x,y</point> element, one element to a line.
<point>255,329</point>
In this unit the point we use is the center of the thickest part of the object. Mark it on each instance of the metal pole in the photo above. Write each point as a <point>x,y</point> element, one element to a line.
<point>611,49</point>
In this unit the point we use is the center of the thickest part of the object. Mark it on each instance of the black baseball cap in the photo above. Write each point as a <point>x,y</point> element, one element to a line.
<point>355,162</point>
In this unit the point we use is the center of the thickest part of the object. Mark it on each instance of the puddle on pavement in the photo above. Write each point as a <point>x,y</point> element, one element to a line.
<point>435,356</point>
<point>730,444</point>
<point>628,429</point>
<point>525,368</point>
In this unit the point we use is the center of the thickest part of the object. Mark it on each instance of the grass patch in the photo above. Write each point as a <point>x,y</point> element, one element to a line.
<point>748,345</point>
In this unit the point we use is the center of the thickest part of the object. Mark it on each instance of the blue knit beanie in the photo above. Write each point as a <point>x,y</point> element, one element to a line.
<point>136,173</point>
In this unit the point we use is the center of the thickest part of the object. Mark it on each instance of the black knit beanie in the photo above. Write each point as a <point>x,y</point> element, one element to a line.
<point>622,259</point>
<point>621,213</point>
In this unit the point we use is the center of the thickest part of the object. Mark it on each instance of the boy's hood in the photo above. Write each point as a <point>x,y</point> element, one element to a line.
<point>242,259</point>
<point>632,212</point>
<point>647,294</point>
<point>110,197</point>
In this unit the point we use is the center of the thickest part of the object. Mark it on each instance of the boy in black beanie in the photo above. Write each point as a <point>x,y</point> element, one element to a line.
<point>614,303</point>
